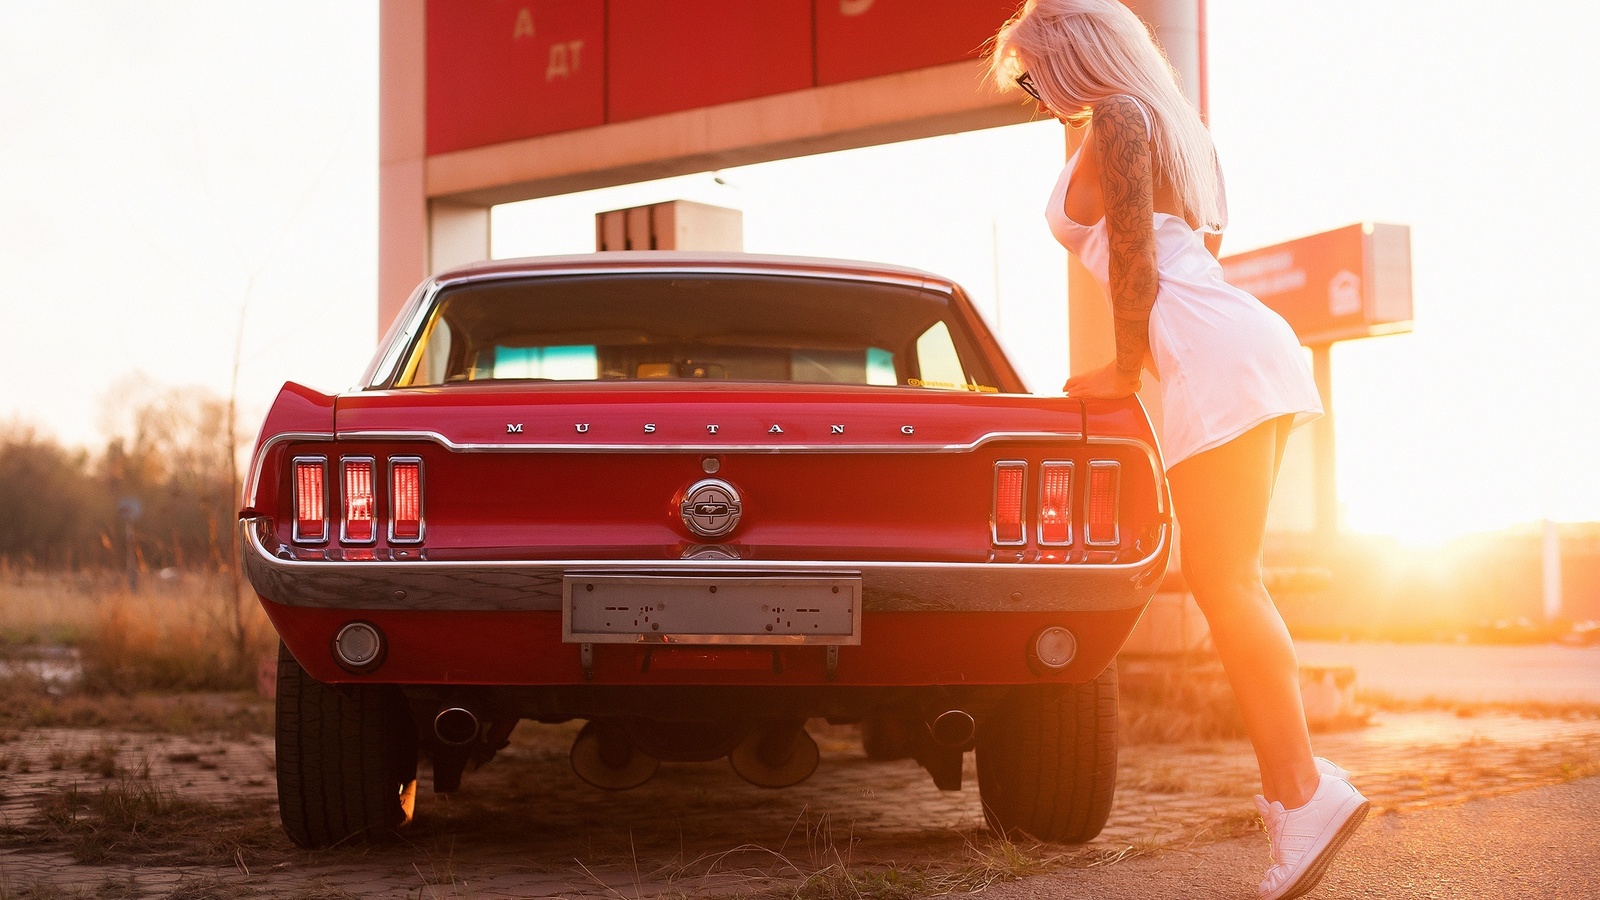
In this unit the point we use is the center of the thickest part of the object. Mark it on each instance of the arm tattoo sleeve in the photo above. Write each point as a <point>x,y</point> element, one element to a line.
<point>1127,187</point>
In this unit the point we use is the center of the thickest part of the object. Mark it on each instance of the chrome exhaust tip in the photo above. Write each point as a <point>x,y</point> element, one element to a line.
<point>953,728</point>
<point>455,726</point>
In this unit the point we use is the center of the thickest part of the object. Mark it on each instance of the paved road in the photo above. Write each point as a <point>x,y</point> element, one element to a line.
<point>1466,673</point>
<point>1537,843</point>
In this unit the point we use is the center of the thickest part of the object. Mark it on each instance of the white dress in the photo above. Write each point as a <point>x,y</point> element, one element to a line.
<point>1226,363</point>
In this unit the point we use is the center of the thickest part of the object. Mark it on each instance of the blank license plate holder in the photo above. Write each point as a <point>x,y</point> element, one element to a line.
<point>744,610</point>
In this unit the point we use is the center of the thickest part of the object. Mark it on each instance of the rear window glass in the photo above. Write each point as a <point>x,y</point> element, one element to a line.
<point>663,327</point>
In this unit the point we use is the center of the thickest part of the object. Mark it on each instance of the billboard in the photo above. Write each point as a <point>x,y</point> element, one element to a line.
<point>1351,282</point>
<point>504,70</point>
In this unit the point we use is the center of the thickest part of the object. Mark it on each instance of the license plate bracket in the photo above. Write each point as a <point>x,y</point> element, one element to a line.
<point>674,609</point>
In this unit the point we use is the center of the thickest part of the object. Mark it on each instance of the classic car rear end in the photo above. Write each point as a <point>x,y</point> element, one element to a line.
<point>697,500</point>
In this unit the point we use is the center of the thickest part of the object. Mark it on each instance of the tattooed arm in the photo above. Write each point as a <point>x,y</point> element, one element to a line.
<point>1122,148</point>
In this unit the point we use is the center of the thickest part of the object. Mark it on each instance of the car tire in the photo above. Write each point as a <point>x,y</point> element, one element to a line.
<point>347,758</point>
<point>1047,760</point>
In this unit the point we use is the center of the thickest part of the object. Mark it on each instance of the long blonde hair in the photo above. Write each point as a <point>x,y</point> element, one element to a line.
<point>1079,52</point>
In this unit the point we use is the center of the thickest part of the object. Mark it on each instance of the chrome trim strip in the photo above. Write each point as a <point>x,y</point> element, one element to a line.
<point>422,517</point>
<point>344,504</point>
<point>536,585</point>
<point>722,448</point>
<point>259,462</point>
<point>1116,498</point>
<point>1072,484</point>
<point>294,497</point>
<point>1022,501</point>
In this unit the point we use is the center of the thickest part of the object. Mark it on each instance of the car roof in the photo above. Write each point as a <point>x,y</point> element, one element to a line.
<point>721,261</point>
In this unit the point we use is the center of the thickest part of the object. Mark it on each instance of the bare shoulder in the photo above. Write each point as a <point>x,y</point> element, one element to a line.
<point>1119,120</point>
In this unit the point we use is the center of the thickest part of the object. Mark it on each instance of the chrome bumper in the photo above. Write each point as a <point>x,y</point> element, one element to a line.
<point>513,585</point>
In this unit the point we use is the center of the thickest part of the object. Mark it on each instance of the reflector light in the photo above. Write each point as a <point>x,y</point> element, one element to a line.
<point>1055,503</point>
<point>1104,478</point>
<point>358,502</point>
<point>405,500</point>
<point>310,500</point>
<point>1008,487</point>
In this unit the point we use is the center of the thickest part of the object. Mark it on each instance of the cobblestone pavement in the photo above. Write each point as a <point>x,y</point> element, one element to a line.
<point>524,826</point>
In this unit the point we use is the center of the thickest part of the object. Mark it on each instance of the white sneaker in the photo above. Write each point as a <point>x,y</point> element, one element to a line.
<point>1306,839</point>
<point>1327,768</point>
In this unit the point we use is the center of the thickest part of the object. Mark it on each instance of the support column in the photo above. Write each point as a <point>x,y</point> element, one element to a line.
<point>458,233</point>
<point>1326,498</point>
<point>402,145</point>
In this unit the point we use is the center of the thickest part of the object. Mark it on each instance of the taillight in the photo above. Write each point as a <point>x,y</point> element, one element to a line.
<point>1104,478</point>
<point>1055,503</point>
<point>310,499</point>
<point>1009,478</point>
<point>358,501</point>
<point>405,499</point>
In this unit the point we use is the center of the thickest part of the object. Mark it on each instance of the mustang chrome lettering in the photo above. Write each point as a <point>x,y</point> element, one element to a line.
<point>711,508</point>
<point>775,430</point>
<point>583,427</point>
<point>513,428</point>
<point>836,429</point>
<point>711,429</point>
<point>907,429</point>
<point>649,428</point>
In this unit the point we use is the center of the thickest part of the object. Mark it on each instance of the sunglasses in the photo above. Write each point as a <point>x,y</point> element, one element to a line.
<point>1026,83</point>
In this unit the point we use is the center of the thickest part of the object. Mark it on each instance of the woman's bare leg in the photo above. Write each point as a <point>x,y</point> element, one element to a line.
<point>1221,498</point>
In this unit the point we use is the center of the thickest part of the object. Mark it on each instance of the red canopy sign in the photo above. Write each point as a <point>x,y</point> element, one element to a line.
<point>1347,283</point>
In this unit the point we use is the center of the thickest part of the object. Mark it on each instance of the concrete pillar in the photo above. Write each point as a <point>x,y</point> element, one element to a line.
<point>458,233</point>
<point>402,146</point>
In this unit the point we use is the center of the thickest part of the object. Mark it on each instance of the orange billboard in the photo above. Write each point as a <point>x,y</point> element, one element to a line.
<point>1351,282</point>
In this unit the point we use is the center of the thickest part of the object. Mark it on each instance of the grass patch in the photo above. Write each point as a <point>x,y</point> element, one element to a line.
<point>134,820</point>
<point>1527,709</point>
<point>1163,706</point>
<point>179,633</point>
<point>27,703</point>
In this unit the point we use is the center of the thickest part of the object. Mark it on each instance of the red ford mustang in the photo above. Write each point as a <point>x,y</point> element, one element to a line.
<point>697,500</point>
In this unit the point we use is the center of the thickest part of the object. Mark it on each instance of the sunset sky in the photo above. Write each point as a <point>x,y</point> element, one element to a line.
<point>168,168</point>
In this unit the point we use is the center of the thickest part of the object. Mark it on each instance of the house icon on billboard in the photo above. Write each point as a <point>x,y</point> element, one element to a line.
<point>1344,294</point>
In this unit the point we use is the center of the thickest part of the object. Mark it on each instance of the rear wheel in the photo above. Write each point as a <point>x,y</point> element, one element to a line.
<point>347,758</point>
<point>1047,760</point>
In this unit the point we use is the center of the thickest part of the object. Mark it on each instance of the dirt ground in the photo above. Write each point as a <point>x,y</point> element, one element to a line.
<point>109,813</point>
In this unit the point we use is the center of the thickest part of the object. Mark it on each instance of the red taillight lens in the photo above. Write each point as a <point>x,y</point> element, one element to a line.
<point>1008,486</point>
<point>405,499</point>
<point>310,500</point>
<point>1104,478</point>
<point>1055,503</point>
<point>358,501</point>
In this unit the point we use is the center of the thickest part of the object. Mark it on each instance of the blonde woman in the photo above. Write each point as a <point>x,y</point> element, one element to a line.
<point>1141,205</point>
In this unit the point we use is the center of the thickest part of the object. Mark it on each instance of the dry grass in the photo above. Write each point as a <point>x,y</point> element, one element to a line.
<point>25,704</point>
<point>175,633</point>
<point>134,820</point>
<point>1175,706</point>
<point>1525,709</point>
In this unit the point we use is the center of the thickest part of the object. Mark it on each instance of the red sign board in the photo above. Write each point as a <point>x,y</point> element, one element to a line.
<point>499,70</point>
<point>863,38</point>
<point>1347,283</point>
<point>663,57</point>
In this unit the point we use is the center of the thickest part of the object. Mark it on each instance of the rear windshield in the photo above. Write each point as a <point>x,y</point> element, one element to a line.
<point>664,327</point>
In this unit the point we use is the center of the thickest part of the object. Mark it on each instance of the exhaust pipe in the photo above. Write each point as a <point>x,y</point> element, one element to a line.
<point>953,728</point>
<point>455,726</point>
